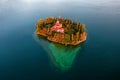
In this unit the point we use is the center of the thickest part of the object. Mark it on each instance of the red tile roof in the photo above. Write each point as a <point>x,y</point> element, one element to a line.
<point>57,27</point>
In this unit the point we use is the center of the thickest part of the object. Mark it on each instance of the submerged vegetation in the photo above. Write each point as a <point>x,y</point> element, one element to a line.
<point>61,57</point>
<point>60,30</point>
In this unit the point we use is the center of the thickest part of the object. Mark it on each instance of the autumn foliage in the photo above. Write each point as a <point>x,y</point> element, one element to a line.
<point>74,32</point>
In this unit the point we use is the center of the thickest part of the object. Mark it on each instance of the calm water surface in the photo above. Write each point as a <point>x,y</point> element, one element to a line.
<point>26,56</point>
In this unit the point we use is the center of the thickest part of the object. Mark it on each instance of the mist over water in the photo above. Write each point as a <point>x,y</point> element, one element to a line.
<point>22,58</point>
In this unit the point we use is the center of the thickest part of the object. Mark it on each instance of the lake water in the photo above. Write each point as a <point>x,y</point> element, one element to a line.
<point>26,56</point>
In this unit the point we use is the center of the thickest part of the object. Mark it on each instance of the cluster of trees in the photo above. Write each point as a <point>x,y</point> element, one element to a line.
<point>73,31</point>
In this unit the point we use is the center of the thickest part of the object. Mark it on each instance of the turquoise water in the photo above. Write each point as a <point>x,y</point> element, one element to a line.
<point>61,56</point>
<point>25,57</point>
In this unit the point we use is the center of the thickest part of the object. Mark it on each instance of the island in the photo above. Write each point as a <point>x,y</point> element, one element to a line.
<point>61,30</point>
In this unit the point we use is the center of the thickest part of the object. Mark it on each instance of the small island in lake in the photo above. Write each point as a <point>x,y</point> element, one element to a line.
<point>60,30</point>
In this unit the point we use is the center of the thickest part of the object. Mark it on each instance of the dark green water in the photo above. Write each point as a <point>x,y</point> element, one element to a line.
<point>24,56</point>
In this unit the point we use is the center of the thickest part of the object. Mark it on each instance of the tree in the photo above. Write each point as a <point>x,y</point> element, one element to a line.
<point>82,28</point>
<point>41,21</point>
<point>72,37</point>
<point>53,32</point>
<point>37,28</point>
<point>48,29</point>
<point>77,35</point>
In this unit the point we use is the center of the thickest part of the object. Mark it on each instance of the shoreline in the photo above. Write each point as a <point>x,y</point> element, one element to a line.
<point>73,43</point>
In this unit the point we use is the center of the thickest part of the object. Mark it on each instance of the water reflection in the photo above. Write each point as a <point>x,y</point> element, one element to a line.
<point>61,56</point>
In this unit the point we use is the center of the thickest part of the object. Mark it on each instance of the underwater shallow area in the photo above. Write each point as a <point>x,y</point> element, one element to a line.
<point>61,56</point>
<point>24,58</point>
